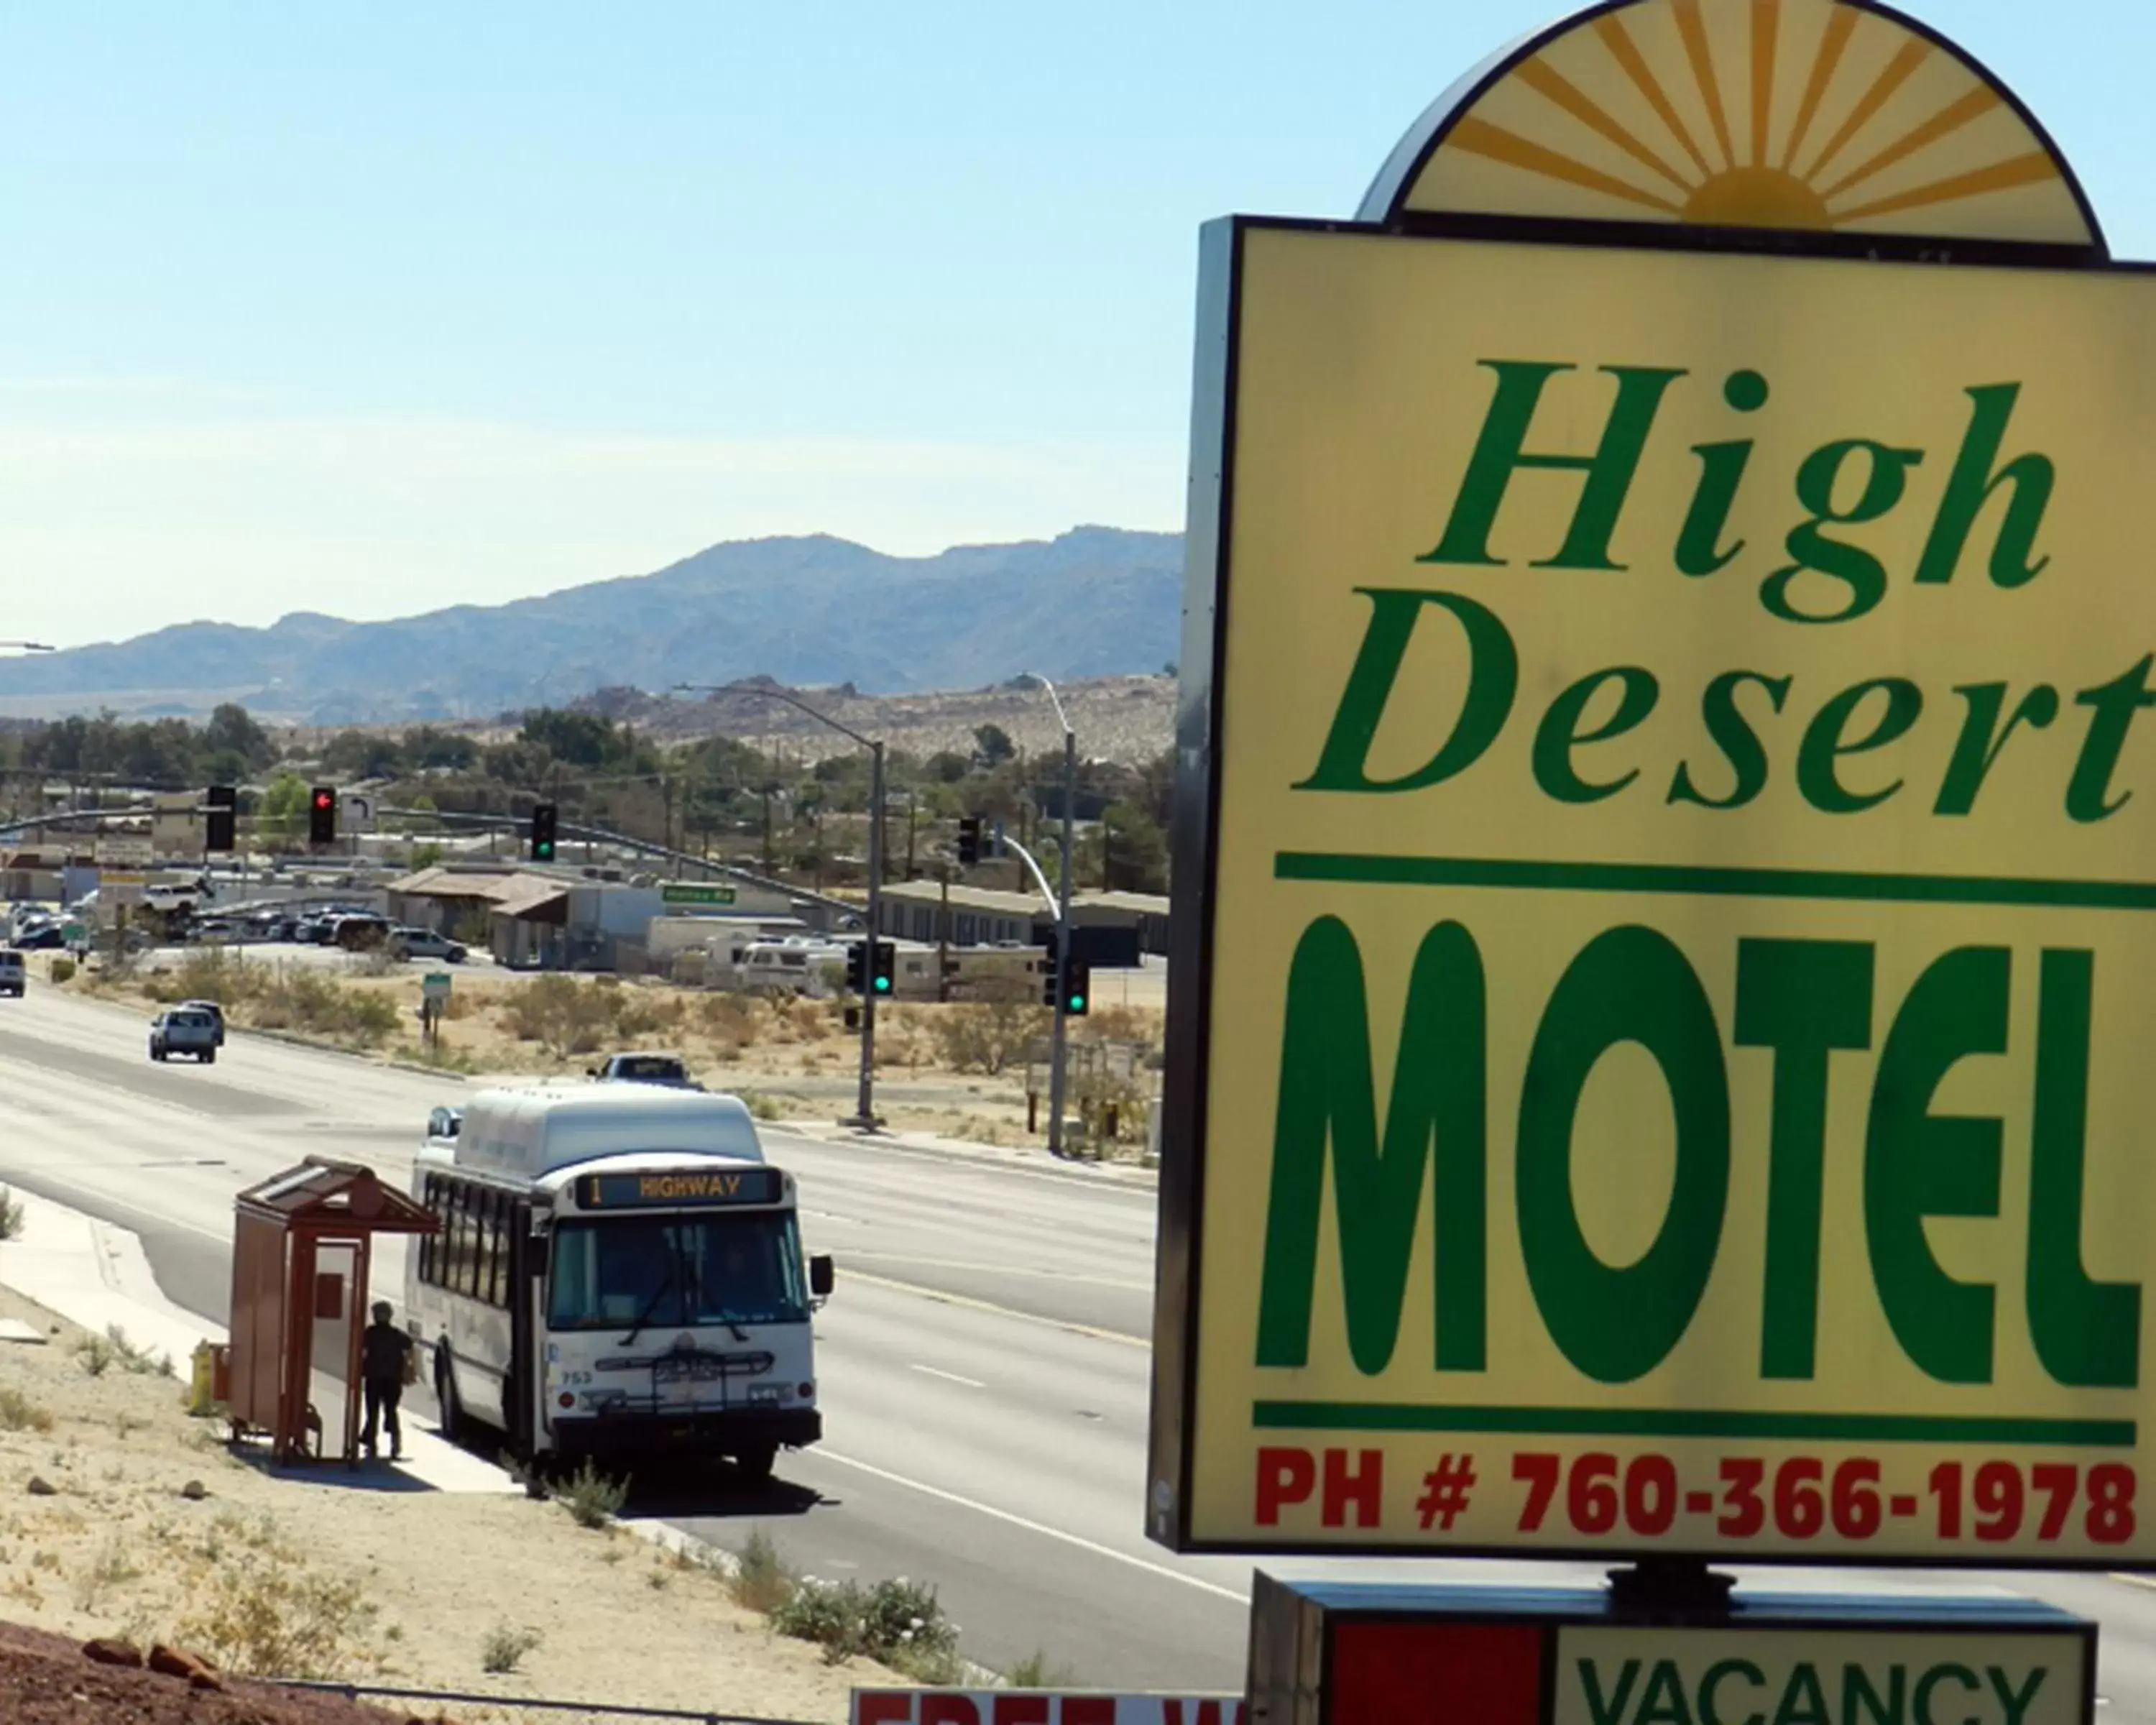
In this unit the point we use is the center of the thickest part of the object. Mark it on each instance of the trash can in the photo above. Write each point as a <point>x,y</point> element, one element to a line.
<point>202,1384</point>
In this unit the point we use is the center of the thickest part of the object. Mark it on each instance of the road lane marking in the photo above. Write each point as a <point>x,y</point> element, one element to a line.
<point>994,1310</point>
<point>2146,1581</point>
<point>951,1377</point>
<point>1030,1525</point>
<point>1098,1281</point>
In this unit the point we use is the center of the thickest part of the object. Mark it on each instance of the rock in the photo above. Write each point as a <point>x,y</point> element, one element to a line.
<point>40,1487</point>
<point>105,1651</point>
<point>194,1491</point>
<point>174,1663</point>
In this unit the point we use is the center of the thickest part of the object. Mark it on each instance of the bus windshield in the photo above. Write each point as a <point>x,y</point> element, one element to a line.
<point>677,1272</point>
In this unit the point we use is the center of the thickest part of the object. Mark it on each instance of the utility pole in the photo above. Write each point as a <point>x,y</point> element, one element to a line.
<point>864,1115</point>
<point>1055,1052</point>
<point>943,936</point>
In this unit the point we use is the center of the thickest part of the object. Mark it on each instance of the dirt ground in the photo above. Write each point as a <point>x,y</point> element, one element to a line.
<point>959,1071</point>
<point>48,1680</point>
<point>121,1516</point>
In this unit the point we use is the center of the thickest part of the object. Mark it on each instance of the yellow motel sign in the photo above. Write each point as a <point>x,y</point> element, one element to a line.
<point>1668,903</point>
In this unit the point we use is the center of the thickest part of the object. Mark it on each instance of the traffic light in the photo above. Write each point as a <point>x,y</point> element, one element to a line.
<point>969,841</point>
<point>545,818</point>
<point>886,968</point>
<point>321,815</point>
<point>221,818</point>
<point>857,970</point>
<point>1076,997</point>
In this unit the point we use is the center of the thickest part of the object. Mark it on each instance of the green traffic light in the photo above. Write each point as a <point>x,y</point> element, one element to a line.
<point>883,985</point>
<point>1077,1002</point>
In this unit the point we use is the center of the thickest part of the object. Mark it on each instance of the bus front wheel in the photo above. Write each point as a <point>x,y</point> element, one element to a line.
<point>756,1462</point>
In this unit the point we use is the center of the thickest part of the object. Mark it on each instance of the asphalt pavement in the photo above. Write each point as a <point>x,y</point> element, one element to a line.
<point>984,1364</point>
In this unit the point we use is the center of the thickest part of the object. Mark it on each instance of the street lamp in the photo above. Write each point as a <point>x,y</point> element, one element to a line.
<point>865,1115</point>
<point>1062,926</point>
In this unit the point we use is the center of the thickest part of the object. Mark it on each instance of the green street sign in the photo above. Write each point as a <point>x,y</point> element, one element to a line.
<point>683,892</point>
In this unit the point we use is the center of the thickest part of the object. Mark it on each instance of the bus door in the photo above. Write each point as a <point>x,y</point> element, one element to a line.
<point>527,1278</point>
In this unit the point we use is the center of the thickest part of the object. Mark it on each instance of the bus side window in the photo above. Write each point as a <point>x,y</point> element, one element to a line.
<point>430,1244</point>
<point>490,1237</point>
<point>463,1258</point>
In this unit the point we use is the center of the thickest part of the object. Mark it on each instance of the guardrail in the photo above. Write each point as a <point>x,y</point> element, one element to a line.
<point>356,1692</point>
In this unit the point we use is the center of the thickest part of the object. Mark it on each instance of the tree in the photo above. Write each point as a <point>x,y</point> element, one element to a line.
<point>283,814</point>
<point>364,754</point>
<point>232,727</point>
<point>992,746</point>
<point>947,767</point>
<point>1135,850</point>
<point>579,739</point>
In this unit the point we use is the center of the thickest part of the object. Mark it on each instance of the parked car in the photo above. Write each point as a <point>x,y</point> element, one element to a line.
<point>646,1069</point>
<point>13,974</point>
<point>424,943</point>
<point>215,1011</point>
<point>360,933</point>
<point>184,1029</point>
<point>44,937</point>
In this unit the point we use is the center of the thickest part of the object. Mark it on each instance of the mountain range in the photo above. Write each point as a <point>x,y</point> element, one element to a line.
<point>1094,601</point>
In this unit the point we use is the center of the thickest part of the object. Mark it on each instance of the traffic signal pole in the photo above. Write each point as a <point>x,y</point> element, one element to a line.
<point>1062,945</point>
<point>865,1115</point>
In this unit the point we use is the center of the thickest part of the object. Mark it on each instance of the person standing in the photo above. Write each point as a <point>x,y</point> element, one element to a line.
<point>385,1351</point>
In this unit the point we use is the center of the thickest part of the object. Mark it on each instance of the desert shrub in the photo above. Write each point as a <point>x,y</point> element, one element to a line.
<point>11,1215</point>
<point>647,1015</point>
<point>593,1499</point>
<point>261,1613</point>
<point>1037,1671</point>
<point>761,1579</point>
<point>565,1016</point>
<point>986,1036</point>
<point>62,970</point>
<point>730,1020</point>
<point>504,1648</point>
<point>18,1413</point>
<point>898,1623</point>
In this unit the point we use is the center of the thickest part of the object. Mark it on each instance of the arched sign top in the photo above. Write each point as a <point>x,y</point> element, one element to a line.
<point>1814,117</point>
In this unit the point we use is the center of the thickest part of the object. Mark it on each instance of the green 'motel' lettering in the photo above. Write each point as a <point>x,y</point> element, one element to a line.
<point>1629,984</point>
<point>1327,1096</point>
<point>2086,1332</point>
<point>1501,451</point>
<point>1493,678</point>
<point>1918,1164</point>
<point>1802,1000</point>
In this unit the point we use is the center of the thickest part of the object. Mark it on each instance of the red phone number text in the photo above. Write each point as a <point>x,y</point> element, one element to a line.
<point>1803,1498</point>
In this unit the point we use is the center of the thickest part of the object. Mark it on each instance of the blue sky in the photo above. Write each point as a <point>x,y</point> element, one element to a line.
<point>371,309</point>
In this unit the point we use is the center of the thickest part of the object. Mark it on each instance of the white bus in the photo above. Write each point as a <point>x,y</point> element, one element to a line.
<point>618,1275</point>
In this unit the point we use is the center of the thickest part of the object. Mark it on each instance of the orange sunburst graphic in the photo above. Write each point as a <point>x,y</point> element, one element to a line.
<point>1808,114</point>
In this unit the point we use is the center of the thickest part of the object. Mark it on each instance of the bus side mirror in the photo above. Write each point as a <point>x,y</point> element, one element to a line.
<point>821,1275</point>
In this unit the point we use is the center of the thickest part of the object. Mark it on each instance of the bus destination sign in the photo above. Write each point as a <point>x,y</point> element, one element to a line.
<point>670,1188</point>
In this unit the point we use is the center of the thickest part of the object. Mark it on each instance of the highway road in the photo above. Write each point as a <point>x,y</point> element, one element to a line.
<point>984,1364</point>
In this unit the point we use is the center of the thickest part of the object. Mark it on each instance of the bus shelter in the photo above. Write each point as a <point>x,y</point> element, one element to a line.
<point>302,1249</point>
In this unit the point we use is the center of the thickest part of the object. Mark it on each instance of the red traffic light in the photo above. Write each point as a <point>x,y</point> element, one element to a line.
<point>323,799</point>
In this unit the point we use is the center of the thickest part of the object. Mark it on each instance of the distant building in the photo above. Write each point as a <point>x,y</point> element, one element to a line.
<point>1112,930</point>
